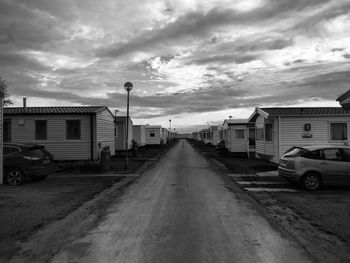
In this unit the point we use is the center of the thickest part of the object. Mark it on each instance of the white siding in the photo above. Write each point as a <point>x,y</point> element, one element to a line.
<point>1,140</point>
<point>260,122</point>
<point>139,134</point>
<point>164,135</point>
<point>120,139</point>
<point>56,143</point>
<point>153,140</point>
<point>215,137</point>
<point>234,144</point>
<point>104,131</point>
<point>268,149</point>
<point>292,130</point>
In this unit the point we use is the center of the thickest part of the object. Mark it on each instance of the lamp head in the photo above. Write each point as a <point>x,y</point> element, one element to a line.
<point>128,86</point>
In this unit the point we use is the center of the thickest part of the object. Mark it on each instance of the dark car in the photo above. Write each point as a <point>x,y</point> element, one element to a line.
<point>314,166</point>
<point>26,161</point>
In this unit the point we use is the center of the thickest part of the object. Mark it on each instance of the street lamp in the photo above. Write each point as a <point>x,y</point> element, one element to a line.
<point>128,87</point>
<point>169,129</point>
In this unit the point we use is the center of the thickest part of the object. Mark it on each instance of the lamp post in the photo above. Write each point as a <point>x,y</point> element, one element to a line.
<point>128,87</point>
<point>170,129</point>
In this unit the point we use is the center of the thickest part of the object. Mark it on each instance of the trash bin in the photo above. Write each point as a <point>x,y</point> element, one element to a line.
<point>105,162</point>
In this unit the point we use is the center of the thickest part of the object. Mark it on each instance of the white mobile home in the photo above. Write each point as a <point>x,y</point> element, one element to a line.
<point>278,129</point>
<point>1,135</point>
<point>120,133</point>
<point>165,135</point>
<point>153,134</point>
<point>139,134</point>
<point>204,135</point>
<point>196,136</point>
<point>239,135</point>
<point>69,133</point>
<point>214,135</point>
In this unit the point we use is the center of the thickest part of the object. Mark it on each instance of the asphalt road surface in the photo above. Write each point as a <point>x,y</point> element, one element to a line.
<point>181,211</point>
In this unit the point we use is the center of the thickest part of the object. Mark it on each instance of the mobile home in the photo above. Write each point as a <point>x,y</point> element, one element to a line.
<point>69,133</point>
<point>120,133</point>
<point>165,135</point>
<point>278,129</point>
<point>213,135</point>
<point>139,134</point>
<point>239,136</point>
<point>153,134</point>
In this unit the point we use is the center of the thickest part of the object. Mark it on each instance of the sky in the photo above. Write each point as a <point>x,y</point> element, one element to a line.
<point>192,61</point>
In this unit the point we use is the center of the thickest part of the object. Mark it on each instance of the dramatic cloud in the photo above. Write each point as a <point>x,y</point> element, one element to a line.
<point>192,61</point>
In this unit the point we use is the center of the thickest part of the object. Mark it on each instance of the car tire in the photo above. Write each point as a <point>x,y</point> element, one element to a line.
<point>14,176</point>
<point>311,181</point>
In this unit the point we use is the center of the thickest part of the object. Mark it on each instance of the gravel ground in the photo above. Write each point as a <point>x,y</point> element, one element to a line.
<point>25,209</point>
<point>319,220</point>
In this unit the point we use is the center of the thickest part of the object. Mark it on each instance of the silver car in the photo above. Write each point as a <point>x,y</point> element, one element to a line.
<point>314,166</point>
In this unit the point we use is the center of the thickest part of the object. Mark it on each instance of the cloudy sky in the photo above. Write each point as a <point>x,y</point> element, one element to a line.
<point>192,61</point>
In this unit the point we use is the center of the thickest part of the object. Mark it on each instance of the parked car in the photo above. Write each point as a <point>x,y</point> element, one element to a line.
<point>314,166</point>
<point>26,161</point>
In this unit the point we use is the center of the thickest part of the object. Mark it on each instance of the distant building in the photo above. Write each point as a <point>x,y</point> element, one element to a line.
<point>120,133</point>
<point>239,136</point>
<point>213,135</point>
<point>139,134</point>
<point>153,134</point>
<point>165,135</point>
<point>204,135</point>
<point>1,135</point>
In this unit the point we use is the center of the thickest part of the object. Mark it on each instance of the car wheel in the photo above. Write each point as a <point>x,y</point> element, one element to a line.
<point>311,181</point>
<point>14,176</point>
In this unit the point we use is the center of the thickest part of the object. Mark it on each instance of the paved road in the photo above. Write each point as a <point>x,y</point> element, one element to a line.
<point>181,211</point>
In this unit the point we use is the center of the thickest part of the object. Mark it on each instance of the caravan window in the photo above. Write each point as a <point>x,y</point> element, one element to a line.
<point>73,129</point>
<point>268,132</point>
<point>338,131</point>
<point>7,130</point>
<point>239,133</point>
<point>41,130</point>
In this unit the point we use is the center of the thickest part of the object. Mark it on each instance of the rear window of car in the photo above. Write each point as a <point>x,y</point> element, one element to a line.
<point>313,154</point>
<point>37,152</point>
<point>295,152</point>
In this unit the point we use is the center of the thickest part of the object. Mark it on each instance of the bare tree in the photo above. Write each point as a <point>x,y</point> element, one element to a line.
<point>3,88</point>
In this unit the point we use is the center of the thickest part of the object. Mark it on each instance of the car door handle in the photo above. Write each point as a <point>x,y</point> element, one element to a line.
<point>323,163</point>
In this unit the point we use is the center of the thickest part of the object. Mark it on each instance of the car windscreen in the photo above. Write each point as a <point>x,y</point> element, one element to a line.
<point>295,152</point>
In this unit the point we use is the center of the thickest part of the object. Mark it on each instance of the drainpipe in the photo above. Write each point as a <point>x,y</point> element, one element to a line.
<point>279,137</point>
<point>92,137</point>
